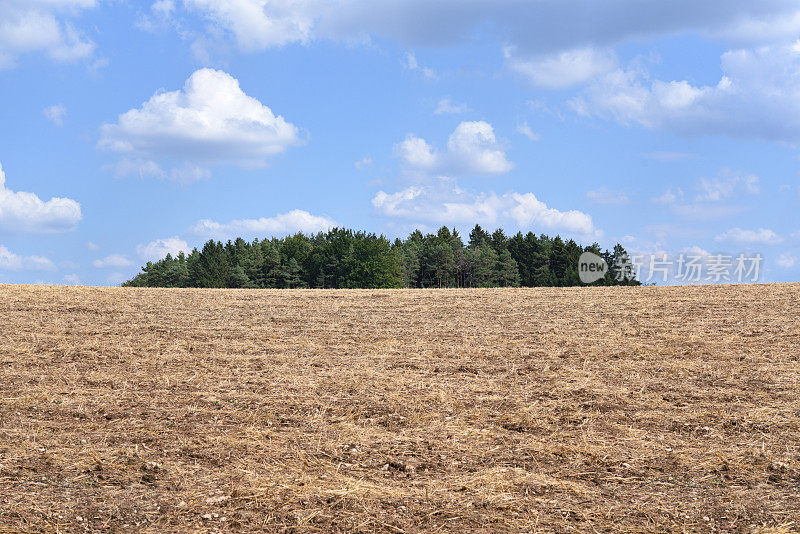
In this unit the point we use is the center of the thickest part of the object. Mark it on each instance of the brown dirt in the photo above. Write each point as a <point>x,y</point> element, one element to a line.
<point>585,409</point>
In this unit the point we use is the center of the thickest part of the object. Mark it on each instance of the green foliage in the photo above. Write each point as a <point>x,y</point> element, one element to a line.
<point>342,258</point>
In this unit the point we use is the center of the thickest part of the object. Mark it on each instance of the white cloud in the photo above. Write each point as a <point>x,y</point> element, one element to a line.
<point>158,249</point>
<point>13,262</point>
<point>26,212</point>
<point>762,236</point>
<point>446,203</point>
<point>472,148</point>
<point>786,261</point>
<point>55,114</point>
<point>669,197</point>
<point>723,186</point>
<point>525,129</point>
<point>161,13</point>
<point>757,97</point>
<point>447,106</point>
<point>694,250</point>
<point>530,212</point>
<point>163,8</point>
<point>282,224</point>
<point>92,246</point>
<point>536,28</point>
<point>474,145</point>
<point>210,122</point>
<point>562,69</point>
<point>606,197</point>
<point>363,163</point>
<point>28,26</point>
<point>259,24</point>
<point>412,64</point>
<point>709,203</point>
<point>417,153</point>
<point>112,260</point>
<point>71,279</point>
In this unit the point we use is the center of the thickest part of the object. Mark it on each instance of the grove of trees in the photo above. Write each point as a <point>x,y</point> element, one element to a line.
<point>342,258</point>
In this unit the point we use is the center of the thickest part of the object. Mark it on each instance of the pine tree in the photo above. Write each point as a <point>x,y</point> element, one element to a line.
<point>485,266</point>
<point>507,270</point>
<point>477,237</point>
<point>291,276</point>
<point>238,278</point>
<point>346,258</point>
<point>211,269</point>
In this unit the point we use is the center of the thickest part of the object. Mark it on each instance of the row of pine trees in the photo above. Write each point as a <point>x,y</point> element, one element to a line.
<point>342,258</point>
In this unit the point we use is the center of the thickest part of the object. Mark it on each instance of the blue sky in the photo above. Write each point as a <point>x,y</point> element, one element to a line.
<point>133,129</point>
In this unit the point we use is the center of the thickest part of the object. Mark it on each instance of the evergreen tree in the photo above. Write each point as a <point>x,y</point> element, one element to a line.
<point>375,264</point>
<point>507,270</point>
<point>292,275</point>
<point>477,237</point>
<point>238,278</point>
<point>211,268</point>
<point>272,272</point>
<point>485,266</point>
<point>344,258</point>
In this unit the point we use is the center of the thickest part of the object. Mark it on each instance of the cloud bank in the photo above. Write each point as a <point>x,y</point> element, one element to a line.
<point>283,224</point>
<point>446,203</point>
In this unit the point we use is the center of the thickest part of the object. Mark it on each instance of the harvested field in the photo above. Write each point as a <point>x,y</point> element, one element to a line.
<point>535,410</point>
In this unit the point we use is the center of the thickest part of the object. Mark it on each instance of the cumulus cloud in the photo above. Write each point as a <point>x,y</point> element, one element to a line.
<point>26,212</point>
<point>14,262</point>
<point>112,260</point>
<point>757,97</point>
<point>762,236</point>
<point>158,249</point>
<point>530,212</point>
<point>474,145</point>
<point>446,203</point>
<point>45,26</point>
<point>210,121</point>
<point>282,224</point>
<point>563,69</point>
<point>55,114</point>
<point>472,148</point>
<point>416,152</point>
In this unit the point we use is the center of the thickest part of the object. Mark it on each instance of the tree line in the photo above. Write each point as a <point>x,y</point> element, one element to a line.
<point>344,258</point>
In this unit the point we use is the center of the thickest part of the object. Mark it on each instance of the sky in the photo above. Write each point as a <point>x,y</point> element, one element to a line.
<point>129,130</point>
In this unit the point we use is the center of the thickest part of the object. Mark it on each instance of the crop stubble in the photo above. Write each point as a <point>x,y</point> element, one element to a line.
<point>583,409</point>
